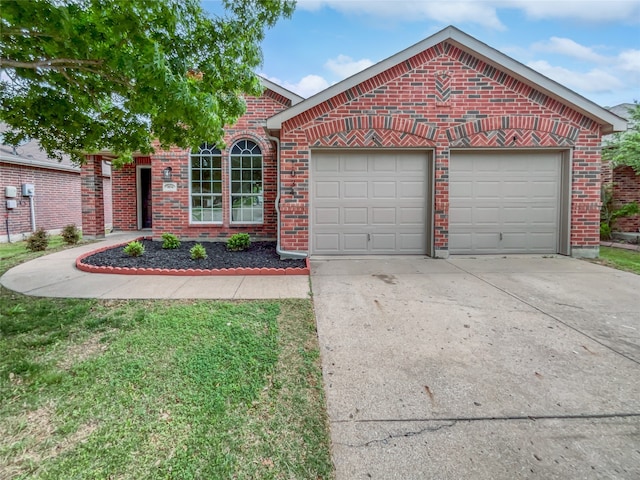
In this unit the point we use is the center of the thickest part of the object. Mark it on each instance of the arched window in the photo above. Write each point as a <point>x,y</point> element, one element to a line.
<point>246,182</point>
<point>206,184</point>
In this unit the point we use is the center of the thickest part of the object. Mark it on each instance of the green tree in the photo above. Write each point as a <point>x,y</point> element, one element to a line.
<point>84,76</point>
<point>624,147</point>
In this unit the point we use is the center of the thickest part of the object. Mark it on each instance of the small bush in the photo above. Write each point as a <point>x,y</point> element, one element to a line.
<point>38,241</point>
<point>134,249</point>
<point>238,242</point>
<point>170,241</point>
<point>198,252</point>
<point>71,235</point>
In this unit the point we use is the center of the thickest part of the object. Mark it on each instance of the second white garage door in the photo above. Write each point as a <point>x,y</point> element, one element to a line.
<point>369,203</point>
<point>504,202</point>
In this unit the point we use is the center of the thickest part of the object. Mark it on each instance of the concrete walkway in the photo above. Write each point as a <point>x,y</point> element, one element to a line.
<point>55,275</point>
<point>486,368</point>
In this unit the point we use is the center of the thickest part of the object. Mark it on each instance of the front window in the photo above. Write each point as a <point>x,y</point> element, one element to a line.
<point>246,183</point>
<point>206,185</point>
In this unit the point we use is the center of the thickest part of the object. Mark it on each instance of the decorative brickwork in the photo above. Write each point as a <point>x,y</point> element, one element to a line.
<point>439,99</point>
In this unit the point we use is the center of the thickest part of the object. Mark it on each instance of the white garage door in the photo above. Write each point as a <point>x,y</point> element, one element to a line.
<point>369,203</point>
<point>504,202</point>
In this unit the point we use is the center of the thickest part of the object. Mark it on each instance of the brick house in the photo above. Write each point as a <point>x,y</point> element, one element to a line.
<point>448,147</point>
<point>624,181</point>
<point>55,202</point>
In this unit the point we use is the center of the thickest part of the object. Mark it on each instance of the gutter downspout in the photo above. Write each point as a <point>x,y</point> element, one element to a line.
<point>279,251</point>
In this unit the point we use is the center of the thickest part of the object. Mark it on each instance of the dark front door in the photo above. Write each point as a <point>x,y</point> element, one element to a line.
<point>145,198</point>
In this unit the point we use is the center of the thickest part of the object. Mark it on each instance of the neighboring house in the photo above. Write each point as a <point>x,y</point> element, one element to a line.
<point>448,147</point>
<point>624,181</point>
<point>55,201</point>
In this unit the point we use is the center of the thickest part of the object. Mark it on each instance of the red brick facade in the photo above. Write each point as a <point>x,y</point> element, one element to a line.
<point>442,98</point>
<point>626,190</point>
<point>56,200</point>
<point>171,209</point>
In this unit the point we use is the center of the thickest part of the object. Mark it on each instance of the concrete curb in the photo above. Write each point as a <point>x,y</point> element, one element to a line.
<point>624,246</point>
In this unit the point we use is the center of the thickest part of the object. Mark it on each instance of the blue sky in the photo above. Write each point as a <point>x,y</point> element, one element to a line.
<point>589,46</point>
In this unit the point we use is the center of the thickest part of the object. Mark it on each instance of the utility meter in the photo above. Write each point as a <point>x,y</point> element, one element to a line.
<point>28,190</point>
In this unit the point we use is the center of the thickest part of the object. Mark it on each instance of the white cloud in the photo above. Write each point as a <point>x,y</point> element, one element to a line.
<point>344,66</point>
<point>483,12</point>
<point>593,81</point>
<point>306,87</point>
<point>446,12</point>
<point>589,10</point>
<point>629,61</point>
<point>570,48</point>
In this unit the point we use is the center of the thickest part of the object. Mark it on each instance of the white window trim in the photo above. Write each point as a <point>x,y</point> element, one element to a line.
<point>221,195</point>
<point>231,194</point>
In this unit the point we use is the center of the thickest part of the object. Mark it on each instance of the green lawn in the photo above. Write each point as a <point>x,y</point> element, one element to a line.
<point>621,259</point>
<point>95,389</point>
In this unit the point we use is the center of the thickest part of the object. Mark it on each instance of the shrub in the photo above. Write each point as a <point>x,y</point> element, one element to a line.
<point>134,249</point>
<point>170,241</point>
<point>38,241</point>
<point>198,252</point>
<point>611,212</point>
<point>238,242</point>
<point>71,235</point>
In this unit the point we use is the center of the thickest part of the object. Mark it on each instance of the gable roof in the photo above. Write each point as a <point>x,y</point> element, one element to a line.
<point>295,99</point>
<point>610,122</point>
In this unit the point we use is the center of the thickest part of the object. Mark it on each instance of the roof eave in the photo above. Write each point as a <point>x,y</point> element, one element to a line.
<point>610,123</point>
<point>294,98</point>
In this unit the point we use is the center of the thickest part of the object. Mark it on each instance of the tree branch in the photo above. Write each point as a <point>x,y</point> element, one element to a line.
<point>54,63</point>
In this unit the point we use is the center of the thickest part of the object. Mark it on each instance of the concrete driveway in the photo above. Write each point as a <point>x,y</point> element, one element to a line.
<point>480,368</point>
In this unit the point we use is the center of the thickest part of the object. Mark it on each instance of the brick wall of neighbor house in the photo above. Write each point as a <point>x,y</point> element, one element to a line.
<point>56,200</point>
<point>439,99</point>
<point>171,209</point>
<point>627,190</point>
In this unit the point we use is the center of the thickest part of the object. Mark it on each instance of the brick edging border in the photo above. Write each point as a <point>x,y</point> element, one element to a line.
<point>183,272</point>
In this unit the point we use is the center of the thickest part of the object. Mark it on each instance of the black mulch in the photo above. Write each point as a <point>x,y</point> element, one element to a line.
<point>259,254</point>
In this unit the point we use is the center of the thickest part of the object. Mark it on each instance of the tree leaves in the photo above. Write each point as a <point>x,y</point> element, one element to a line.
<point>85,76</point>
<point>624,149</point>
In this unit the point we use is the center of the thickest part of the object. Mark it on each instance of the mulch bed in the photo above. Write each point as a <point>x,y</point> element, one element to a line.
<point>258,255</point>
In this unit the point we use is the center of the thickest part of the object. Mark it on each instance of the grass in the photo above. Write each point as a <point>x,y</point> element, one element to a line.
<point>621,259</point>
<point>165,389</point>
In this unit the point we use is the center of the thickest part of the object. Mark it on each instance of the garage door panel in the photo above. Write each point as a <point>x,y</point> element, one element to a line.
<point>504,202</point>
<point>356,189</point>
<point>357,164</point>
<point>412,216</point>
<point>411,241</point>
<point>381,208</point>
<point>355,242</point>
<point>328,242</point>
<point>383,242</point>
<point>383,216</point>
<point>386,190</point>
<point>384,164</point>
<point>327,216</point>
<point>461,189</point>
<point>412,190</point>
<point>330,165</point>
<point>356,216</point>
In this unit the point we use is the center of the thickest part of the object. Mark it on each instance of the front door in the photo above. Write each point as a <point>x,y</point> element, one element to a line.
<point>146,211</point>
